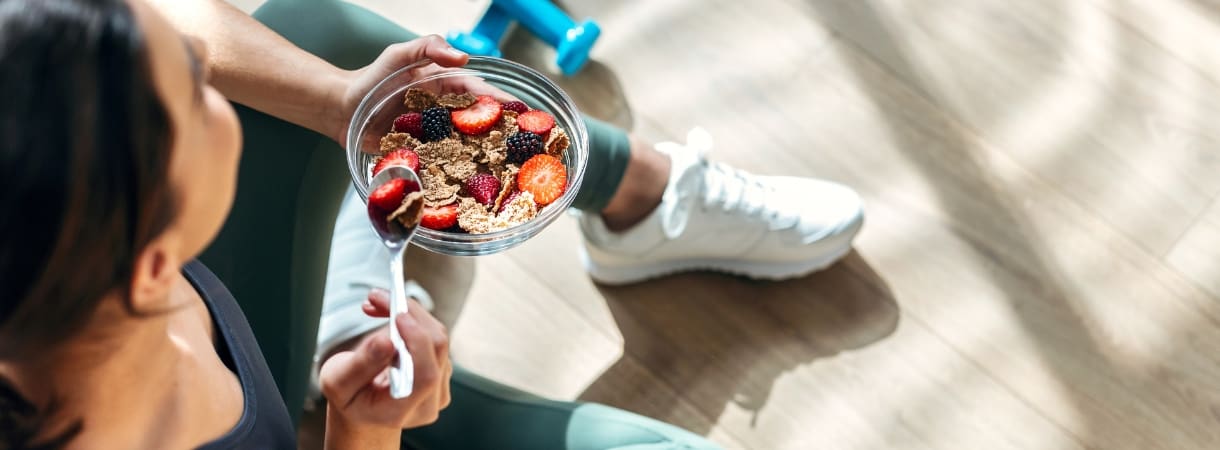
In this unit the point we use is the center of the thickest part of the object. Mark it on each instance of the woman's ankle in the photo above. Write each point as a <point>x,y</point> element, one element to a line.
<point>640,191</point>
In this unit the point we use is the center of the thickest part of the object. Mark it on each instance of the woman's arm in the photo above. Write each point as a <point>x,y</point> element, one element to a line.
<point>342,434</point>
<point>254,66</point>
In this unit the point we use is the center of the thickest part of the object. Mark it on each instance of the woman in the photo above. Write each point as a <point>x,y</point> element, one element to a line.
<point>119,164</point>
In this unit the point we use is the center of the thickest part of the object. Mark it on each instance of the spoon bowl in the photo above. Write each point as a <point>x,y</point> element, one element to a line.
<point>393,236</point>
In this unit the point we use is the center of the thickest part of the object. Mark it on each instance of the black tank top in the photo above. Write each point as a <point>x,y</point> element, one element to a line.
<point>264,420</point>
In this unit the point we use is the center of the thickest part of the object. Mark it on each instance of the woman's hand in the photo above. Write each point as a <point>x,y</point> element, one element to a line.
<point>356,382</point>
<point>433,48</point>
<point>394,57</point>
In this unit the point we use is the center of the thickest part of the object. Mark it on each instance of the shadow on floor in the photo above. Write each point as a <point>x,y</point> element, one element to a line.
<point>716,339</point>
<point>596,89</point>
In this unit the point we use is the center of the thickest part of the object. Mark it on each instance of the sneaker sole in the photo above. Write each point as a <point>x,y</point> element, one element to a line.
<point>617,276</point>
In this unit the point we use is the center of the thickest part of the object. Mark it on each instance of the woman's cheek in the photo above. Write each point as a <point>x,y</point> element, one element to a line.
<point>224,130</point>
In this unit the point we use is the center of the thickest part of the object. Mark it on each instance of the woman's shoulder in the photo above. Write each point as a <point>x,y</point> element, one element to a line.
<point>265,422</point>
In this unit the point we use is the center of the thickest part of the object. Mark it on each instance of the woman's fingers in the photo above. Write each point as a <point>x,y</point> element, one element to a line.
<point>419,342</point>
<point>444,397</point>
<point>357,383</point>
<point>439,338</point>
<point>378,304</point>
<point>431,47</point>
<point>428,374</point>
<point>436,331</point>
<point>346,373</point>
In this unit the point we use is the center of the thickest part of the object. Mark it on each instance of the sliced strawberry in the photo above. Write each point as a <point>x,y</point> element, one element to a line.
<point>545,177</point>
<point>479,117</point>
<point>404,157</point>
<point>537,122</point>
<point>439,218</point>
<point>389,195</point>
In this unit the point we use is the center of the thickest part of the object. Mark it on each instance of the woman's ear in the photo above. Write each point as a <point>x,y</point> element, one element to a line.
<point>152,278</point>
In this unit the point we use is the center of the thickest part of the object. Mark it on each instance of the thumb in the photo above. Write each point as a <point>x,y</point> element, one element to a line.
<point>346,373</point>
<point>431,47</point>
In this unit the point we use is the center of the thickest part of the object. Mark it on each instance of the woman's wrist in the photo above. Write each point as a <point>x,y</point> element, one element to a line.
<point>337,105</point>
<point>343,434</point>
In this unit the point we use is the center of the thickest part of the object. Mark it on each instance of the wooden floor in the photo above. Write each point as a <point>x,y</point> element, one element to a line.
<point>1040,267</point>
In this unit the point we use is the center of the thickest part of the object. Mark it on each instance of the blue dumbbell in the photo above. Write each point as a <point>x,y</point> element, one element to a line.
<point>572,41</point>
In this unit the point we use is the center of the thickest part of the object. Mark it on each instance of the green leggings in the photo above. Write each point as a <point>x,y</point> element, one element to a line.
<point>277,273</point>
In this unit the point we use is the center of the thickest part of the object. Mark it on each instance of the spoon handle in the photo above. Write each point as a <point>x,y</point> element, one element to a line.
<point>402,372</point>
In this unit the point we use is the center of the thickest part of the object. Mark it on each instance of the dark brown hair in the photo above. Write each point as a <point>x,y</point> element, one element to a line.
<point>84,162</point>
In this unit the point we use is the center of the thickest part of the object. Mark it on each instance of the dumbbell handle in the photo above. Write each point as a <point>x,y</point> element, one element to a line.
<point>541,17</point>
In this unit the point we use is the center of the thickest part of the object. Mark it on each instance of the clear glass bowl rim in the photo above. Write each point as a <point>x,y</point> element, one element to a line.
<point>441,241</point>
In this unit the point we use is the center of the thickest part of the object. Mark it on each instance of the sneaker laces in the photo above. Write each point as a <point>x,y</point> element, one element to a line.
<point>731,190</point>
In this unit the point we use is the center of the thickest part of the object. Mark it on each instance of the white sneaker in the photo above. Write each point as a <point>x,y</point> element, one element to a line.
<point>715,217</point>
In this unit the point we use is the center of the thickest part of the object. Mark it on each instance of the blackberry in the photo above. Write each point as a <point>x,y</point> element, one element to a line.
<point>522,146</point>
<point>437,124</point>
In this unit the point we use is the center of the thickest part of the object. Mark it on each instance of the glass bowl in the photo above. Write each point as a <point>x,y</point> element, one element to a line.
<point>375,115</point>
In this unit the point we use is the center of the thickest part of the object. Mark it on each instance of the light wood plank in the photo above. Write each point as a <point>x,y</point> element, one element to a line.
<point>1094,307</point>
<point>1197,254</point>
<point>1182,28</point>
<point>514,331</point>
<point>1073,95</point>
